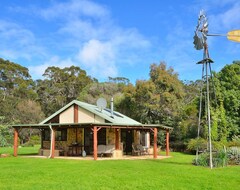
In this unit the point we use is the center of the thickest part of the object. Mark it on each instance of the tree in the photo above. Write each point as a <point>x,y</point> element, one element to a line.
<point>105,90</point>
<point>170,89</point>
<point>28,112</point>
<point>15,81</point>
<point>15,85</point>
<point>228,90</point>
<point>61,86</point>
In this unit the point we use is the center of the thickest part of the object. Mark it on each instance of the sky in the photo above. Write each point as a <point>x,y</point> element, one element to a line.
<point>116,38</point>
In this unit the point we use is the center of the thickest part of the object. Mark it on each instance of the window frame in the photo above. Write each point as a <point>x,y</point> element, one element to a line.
<point>60,135</point>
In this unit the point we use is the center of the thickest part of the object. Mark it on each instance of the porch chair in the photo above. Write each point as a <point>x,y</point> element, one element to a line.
<point>101,149</point>
<point>142,150</point>
<point>135,150</point>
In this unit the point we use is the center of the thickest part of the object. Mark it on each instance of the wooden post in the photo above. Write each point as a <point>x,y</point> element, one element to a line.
<point>75,113</point>
<point>117,139</point>
<point>75,119</point>
<point>41,130</point>
<point>15,147</point>
<point>155,143</point>
<point>95,142</point>
<point>53,142</point>
<point>167,142</point>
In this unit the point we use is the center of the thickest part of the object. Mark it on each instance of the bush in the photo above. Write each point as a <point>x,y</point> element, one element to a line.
<point>219,159</point>
<point>6,136</point>
<point>28,144</point>
<point>235,142</point>
<point>234,155</point>
<point>178,146</point>
<point>200,143</point>
<point>35,139</point>
<point>203,160</point>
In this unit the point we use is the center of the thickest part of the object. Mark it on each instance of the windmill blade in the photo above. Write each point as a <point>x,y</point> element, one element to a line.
<point>234,35</point>
<point>198,42</point>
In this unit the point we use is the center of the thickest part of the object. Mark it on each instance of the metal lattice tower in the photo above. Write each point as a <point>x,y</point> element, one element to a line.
<point>200,42</point>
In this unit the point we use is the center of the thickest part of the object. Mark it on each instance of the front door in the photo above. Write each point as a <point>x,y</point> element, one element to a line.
<point>127,140</point>
<point>88,139</point>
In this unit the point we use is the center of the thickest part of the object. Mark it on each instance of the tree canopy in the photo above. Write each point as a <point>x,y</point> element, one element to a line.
<point>162,98</point>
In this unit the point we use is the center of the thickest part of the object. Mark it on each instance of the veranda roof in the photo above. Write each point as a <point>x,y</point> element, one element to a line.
<point>84,125</point>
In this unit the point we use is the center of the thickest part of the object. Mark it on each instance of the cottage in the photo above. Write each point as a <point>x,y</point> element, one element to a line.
<point>80,129</point>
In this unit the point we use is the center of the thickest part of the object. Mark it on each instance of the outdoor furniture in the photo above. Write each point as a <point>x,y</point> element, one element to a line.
<point>105,150</point>
<point>138,149</point>
<point>143,150</point>
<point>135,150</point>
<point>75,150</point>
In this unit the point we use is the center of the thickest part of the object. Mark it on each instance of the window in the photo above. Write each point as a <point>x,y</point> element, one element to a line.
<point>60,135</point>
<point>102,136</point>
<point>143,138</point>
<point>46,135</point>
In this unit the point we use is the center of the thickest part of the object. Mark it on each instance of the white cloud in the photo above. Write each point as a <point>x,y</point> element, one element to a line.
<point>85,35</point>
<point>38,70</point>
<point>231,18</point>
<point>73,9</point>
<point>228,18</point>
<point>101,43</point>
<point>98,57</point>
<point>10,31</point>
<point>18,42</point>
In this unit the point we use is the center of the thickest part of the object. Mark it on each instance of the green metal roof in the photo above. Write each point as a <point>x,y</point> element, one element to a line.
<point>118,120</point>
<point>105,113</point>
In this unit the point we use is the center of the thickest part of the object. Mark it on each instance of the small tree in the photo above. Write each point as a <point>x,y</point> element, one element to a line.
<point>6,135</point>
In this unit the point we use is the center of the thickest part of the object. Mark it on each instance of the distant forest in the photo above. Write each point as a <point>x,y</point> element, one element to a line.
<point>162,99</point>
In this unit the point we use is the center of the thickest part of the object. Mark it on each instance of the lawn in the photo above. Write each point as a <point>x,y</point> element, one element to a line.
<point>173,173</point>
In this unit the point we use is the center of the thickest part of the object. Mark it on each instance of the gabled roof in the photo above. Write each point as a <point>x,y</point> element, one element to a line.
<point>117,118</point>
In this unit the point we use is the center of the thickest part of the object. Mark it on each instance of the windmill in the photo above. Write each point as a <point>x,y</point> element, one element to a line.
<point>200,42</point>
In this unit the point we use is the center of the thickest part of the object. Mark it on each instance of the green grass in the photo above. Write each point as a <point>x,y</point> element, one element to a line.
<point>173,173</point>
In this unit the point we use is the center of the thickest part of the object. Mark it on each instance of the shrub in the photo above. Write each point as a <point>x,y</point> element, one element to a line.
<point>178,146</point>
<point>200,143</point>
<point>234,155</point>
<point>6,136</point>
<point>235,141</point>
<point>219,159</point>
<point>28,144</point>
<point>35,139</point>
<point>203,160</point>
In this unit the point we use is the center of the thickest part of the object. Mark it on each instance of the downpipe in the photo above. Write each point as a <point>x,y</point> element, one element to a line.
<point>50,155</point>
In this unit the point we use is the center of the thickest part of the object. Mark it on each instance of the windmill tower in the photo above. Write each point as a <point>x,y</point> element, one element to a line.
<point>200,43</point>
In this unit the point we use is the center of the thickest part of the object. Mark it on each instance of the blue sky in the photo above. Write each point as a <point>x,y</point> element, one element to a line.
<point>115,38</point>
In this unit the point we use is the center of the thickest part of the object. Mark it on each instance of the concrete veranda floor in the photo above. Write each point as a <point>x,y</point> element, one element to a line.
<point>124,157</point>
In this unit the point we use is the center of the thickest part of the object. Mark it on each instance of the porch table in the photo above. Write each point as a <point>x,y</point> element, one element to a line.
<point>75,150</point>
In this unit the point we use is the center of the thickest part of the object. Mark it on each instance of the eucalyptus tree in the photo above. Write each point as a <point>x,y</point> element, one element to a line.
<point>15,81</point>
<point>61,86</point>
<point>228,90</point>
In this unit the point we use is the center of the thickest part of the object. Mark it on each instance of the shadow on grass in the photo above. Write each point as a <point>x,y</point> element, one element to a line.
<point>28,154</point>
<point>172,162</point>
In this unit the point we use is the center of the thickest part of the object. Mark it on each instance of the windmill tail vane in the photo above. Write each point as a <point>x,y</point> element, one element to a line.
<point>233,35</point>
